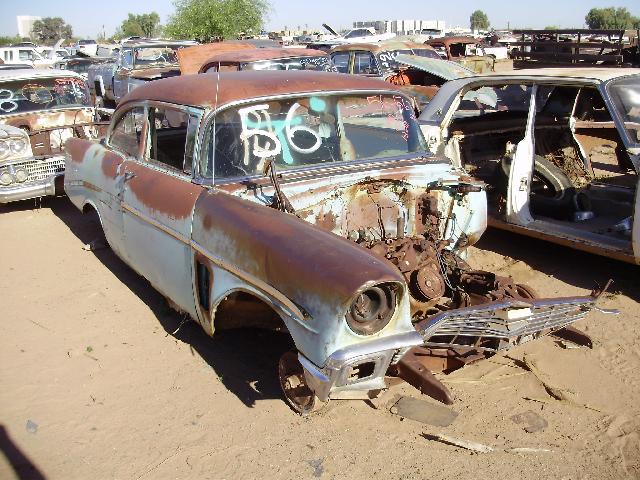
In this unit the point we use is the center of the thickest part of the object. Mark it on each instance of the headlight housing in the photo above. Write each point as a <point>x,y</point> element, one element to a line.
<point>5,149</point>
<point>372,308</point>
<point>5,178</point>
<point>21,175</point>
<point>17,145</point>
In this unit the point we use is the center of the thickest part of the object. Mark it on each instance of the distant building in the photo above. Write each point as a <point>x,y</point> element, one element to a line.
<point>25,24</point>
<point>402,27</point>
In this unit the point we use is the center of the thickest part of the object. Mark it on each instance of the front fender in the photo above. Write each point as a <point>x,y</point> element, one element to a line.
<point>281,255</point>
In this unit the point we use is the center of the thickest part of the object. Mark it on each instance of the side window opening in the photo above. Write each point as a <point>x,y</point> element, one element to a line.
<point>127,133</point>
<point>341,61</point>
<point>364,63</point>
<point>168,136</point>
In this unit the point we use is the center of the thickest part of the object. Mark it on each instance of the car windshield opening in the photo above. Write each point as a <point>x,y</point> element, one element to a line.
<point>157,56</point>
<point>313,131</point>
<point>30,95</point>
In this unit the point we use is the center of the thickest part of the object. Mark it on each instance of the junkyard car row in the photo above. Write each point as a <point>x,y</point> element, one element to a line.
<point>339,206</point>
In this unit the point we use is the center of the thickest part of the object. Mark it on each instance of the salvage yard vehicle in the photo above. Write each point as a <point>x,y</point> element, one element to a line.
<point>415,68</point>
<point>27,56</point>
<point>560,149</point>
<point>313,195</point>
<point>469,52</point>
<point>48,106</point>
<point>23,176</point>
<point>138,62</point>
<point>268,59</point>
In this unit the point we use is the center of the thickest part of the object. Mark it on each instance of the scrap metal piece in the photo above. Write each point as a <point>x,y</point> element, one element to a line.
<point>425,412</point>
<point>413,371</point>
<point>457,442</point>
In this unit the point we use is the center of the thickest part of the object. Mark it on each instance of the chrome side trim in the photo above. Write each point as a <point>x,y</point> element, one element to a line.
<point>134,211</point>
<point>286,305</point>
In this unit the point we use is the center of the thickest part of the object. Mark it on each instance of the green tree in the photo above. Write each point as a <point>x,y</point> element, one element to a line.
<point>143,25</point>
<point>6,41</point>
<point>611,18</point>
<point>551,27</point>
<point>51,29</point>
<point>206,20</point>
<point>479,20</point>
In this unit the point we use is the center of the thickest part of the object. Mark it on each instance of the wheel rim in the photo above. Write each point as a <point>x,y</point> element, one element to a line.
<point>294,384</point>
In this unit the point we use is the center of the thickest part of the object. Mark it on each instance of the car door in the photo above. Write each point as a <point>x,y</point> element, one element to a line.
<point>124,143</point>
<point>521,172</point>
<point>158,198</point>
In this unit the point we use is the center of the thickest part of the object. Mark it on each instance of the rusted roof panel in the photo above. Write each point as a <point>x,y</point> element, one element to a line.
<point>191,58</point>
<point>200,90</point>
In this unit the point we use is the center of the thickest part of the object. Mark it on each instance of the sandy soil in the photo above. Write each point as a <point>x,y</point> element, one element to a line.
<point>95,384</point>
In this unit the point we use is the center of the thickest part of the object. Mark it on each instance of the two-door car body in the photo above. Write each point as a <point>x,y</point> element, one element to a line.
<point>314,194</point>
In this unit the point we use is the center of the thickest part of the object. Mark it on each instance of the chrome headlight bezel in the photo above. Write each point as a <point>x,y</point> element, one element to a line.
<point>21,175</point>
<point>17,145</point>
<point>372,308</point>
<point>6,178</point>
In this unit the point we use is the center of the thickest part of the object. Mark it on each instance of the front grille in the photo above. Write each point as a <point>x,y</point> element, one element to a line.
<point>39,169</point>
<point>491,327</point>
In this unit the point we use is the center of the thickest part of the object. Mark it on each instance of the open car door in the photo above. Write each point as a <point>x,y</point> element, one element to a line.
<point>521,172</point>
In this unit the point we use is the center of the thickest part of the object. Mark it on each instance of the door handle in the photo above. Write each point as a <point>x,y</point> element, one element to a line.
<point>128,176</point>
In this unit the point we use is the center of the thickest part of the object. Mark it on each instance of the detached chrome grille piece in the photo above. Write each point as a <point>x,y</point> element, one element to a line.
<point>502,325</point>
<point>39,170</point>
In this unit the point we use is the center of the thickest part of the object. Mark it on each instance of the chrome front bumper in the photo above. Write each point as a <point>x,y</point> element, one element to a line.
<point>355,370</point>
<point>25,191</point>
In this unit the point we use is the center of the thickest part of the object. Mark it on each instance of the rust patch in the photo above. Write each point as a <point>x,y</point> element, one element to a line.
<point>266,243</point>
<point>77,148</point>
<point>163,193</point>
<point>326,221</point>
<point>110,164</point>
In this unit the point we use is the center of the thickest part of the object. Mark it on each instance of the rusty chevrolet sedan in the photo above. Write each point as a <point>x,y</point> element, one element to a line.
<point>311,194</point>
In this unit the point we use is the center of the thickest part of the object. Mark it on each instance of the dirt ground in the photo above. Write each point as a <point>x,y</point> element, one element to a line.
<point>98,380</point>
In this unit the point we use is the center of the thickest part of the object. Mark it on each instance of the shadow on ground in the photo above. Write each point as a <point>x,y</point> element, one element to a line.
<point>23,467</point>
<point>245,360</point>
<point>576,268</point>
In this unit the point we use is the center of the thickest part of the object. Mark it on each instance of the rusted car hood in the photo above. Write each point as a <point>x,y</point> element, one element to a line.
<point>441,68</point>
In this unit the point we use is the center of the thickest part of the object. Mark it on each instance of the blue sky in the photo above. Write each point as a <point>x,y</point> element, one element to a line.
<point>87,17</point>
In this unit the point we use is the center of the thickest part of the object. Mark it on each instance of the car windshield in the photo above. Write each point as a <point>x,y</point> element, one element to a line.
<point>156,56</point>
<point>311,131</point>
<point>625,94</point>
<point>297,63</point>
<point>34,94</point>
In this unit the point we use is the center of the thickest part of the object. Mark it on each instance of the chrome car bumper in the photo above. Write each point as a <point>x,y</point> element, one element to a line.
<point>25,191</point>
<point>355,370</point>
